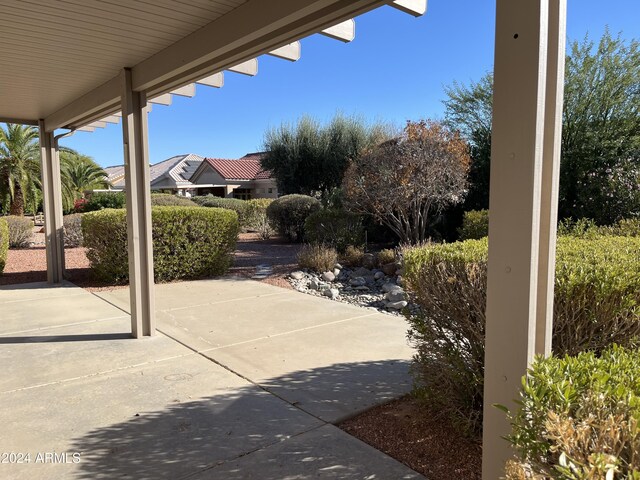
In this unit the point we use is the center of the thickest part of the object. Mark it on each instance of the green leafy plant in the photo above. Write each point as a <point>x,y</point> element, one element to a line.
<point>72,225</point>
<point>597,293</point>
<point>169,200</point>
<point>257,219</point>
<point>289,213</point>
<point>102,200</point>
<point>320,258</point>
<point>475,225</point>
<point>241,207</point>
<point>20,231</point>
<point>4,243</point>
<point>188,242</point>
<point>578,418</point>
<point>337,228</point>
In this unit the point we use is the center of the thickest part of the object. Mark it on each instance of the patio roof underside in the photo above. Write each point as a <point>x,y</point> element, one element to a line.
<point>62,60</point>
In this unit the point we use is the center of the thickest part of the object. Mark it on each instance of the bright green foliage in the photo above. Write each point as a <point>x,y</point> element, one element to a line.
<point>310,158</point>
<point>4,243</point>
<point>318,257</point>
<point>579,418</point>
<point>188,242</point>
<point>102,200</point>
<point>168,200</point>
<point>600,165</point>
<point>289,213</point>
<point>596,303</point>
<point>235,204</point>
<point>19,165</point>
<point>335,228</point>
<point>72,225</point>
<point>20,231</point>
<point>79,173</point>
<point>586,228</point>
<point>475,225</point>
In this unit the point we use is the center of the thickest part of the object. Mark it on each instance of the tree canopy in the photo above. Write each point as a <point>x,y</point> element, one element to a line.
<point>310,158</point>
<point>600,163</point>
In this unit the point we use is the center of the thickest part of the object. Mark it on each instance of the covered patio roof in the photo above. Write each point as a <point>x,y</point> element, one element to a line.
<point>78,64</point>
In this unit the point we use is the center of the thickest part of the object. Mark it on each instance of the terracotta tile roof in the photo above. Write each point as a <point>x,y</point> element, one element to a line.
<point>245,168</point>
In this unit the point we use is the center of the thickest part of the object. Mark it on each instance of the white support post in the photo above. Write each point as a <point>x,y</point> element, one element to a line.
<point>551,173</point>
<point>52,205</point>
<point>137,186</point>
<point>524,166</point>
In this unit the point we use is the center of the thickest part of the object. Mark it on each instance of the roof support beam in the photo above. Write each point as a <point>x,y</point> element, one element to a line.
<point>250,67</point>
<point>19,121</point>
<point>216,80</point>
<point>345,31</point>
<point>52,205</point>
<point>525,158</point>
<point>185,91</point>
<point>412,7</point>
<point>252,29</point>
<point>289,52</point>
<point>138,190</point>
<point>111,119</point>
<point>164,99</point>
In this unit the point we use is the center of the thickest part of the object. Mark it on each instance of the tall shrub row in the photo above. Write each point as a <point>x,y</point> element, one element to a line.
<point>187,242</point>
<point>597,293</point>
<point>4,243</point>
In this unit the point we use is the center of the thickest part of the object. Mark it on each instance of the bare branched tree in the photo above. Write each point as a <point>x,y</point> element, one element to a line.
<point>404,181</point>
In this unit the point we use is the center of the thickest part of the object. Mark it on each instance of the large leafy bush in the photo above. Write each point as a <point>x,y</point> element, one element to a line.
<point>102,200</point>
<point>188,242</point>
<point>579,418</point>
<point>72,225</point>
<point>20,231</point>
<point>4,243</point>
<point>289,213</point>
<point>169,200</point>
<point>597,294</point>
<point>241,207</point>
<point>336,228</point>
<point>475,225</point>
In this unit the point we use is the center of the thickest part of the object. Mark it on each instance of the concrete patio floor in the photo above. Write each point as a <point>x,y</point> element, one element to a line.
<point>243,381</point>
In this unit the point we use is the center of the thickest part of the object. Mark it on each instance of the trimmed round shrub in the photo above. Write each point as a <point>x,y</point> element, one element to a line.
<point>4,243</point>
<point>336,228</point>
<point>188,242</point>
<point>239,206</point>
<point>72,225</point>
<point>102,200</point>
<point>579,418</point>
<point>475,225</point>
<point>289,213</point>
<point>20,231</point>
<point>597,293</point>
<point>317,257</point>
<point>168,200</point>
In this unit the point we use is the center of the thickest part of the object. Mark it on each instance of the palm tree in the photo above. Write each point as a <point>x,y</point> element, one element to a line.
<point>79,173</point>
<point>19,164</point>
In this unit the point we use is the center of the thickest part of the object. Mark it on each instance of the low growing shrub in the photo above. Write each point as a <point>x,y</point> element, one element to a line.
<point>20,231</point>
<point>317,257</point>
<point>168,200</point>
<point>352,256</point>
<point>597,293</point>
<point>475,225</point>
<point>386,256</point>
<point>336,228</point>
<point>235,204</point>
<point>72,225</point>
<point>579,418</point>
<point>289,213</point>
<point>257,219</point>
<point>102,200</point>
<point>188,242</point>
<point>4,243</point>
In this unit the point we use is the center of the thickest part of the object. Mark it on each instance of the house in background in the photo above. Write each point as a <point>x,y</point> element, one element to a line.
<point>192,174</point>
<point>243,178</point>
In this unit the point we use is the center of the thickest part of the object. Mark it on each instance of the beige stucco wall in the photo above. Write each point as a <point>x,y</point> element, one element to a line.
<point>260,189</point>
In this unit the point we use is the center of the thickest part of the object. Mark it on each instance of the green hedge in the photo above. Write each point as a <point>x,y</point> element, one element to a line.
<point>4,243</point>
<point>289,213</point>
<point>239,206</point>
<point>335,228</point>
<point>169,200</point>
<point>475,225</point>
<point>597,299</point>
<point>579,418</point>
<point>188,242</point>
<point>102,200</point>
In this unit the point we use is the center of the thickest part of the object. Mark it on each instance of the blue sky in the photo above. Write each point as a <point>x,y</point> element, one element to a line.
<point>394,70</point>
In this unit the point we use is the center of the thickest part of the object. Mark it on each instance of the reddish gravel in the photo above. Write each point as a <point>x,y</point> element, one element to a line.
<point>421,439</point>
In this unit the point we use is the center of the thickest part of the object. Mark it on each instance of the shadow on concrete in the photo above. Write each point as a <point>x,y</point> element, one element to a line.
<point>208,437</point>
<point>65,338</point>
